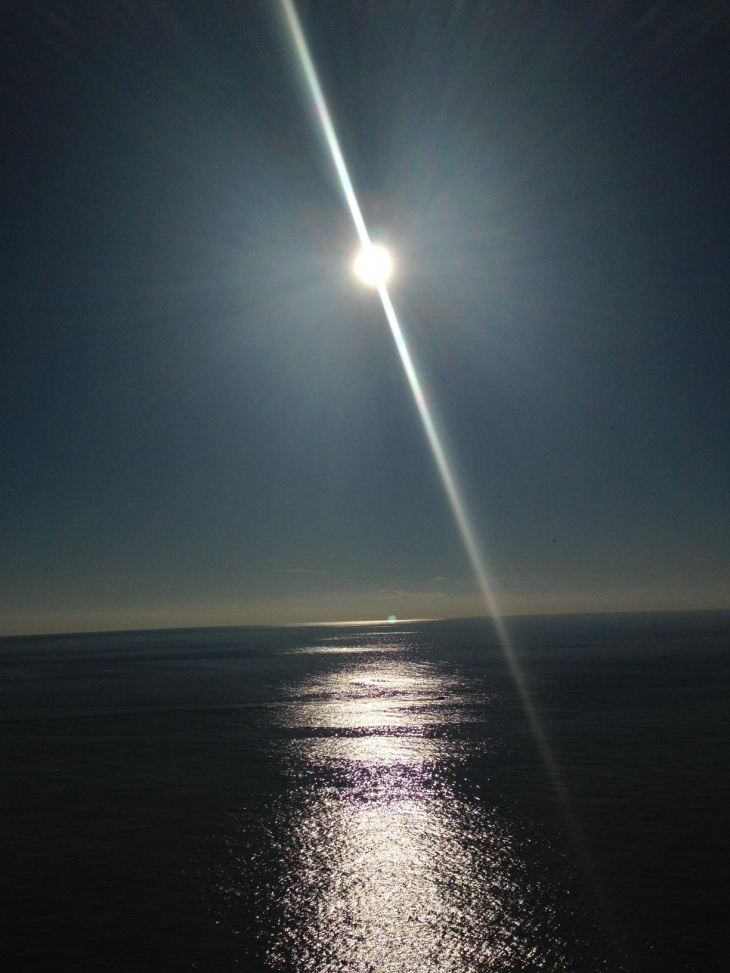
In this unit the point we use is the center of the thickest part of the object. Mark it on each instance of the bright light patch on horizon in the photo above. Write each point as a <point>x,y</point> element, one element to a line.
<point>373,265</point>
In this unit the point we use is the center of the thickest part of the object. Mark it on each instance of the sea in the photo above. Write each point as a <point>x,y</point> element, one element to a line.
<point>375,798</point>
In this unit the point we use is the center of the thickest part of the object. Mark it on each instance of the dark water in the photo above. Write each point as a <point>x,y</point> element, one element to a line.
<point>368,799</point>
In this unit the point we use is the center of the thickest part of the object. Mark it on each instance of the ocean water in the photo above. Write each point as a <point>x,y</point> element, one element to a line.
<point>368,798</point>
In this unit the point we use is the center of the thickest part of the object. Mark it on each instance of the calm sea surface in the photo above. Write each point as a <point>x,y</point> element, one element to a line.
<point>368,798</point>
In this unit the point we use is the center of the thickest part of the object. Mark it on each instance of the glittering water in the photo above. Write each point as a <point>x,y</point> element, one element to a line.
<point>367,799</point>
<point>384,864</point>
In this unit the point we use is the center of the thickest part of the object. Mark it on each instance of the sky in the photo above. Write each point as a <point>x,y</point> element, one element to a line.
<point>203,418</point>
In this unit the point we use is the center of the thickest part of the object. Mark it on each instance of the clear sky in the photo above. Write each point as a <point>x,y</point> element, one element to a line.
<point>203,417</point>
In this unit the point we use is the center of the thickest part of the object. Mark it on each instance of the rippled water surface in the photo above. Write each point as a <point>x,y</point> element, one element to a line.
<point>368,799</point>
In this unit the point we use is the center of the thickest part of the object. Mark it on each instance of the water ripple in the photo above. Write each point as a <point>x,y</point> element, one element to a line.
<point>379,858</point>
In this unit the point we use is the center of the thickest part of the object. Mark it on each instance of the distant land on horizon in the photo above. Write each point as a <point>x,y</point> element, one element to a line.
<point>355,623</point>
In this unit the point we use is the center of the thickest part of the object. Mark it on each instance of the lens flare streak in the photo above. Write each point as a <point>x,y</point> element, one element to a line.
<point>447,477</point>
<point>315,90</point>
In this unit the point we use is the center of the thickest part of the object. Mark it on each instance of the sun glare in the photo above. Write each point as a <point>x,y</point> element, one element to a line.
<point>373,265</point>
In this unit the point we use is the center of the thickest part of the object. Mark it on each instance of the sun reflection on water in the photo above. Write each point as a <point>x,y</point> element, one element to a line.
<point>386,882</point>
<point>384,694</point>
<point>379,858</point>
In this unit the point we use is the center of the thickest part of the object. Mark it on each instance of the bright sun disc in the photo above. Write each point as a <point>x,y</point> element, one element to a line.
<point>373,265</point>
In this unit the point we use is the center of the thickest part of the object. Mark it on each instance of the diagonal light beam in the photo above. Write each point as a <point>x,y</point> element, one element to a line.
<point>325,120</point>
<point>448,479</point>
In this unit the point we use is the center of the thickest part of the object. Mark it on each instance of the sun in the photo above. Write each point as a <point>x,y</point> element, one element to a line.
<point>373,265</point>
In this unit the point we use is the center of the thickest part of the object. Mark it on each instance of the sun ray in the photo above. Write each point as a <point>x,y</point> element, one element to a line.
<point>320,105</point>
<point>448,479</point>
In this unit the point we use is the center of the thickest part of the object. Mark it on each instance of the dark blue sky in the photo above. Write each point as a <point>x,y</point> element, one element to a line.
<point>204,419</point>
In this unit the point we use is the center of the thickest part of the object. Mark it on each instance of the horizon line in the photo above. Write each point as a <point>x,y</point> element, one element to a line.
<point>384,622</point>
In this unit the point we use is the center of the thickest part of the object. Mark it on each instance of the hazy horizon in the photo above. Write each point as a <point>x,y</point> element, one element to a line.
<point>111,621</point>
